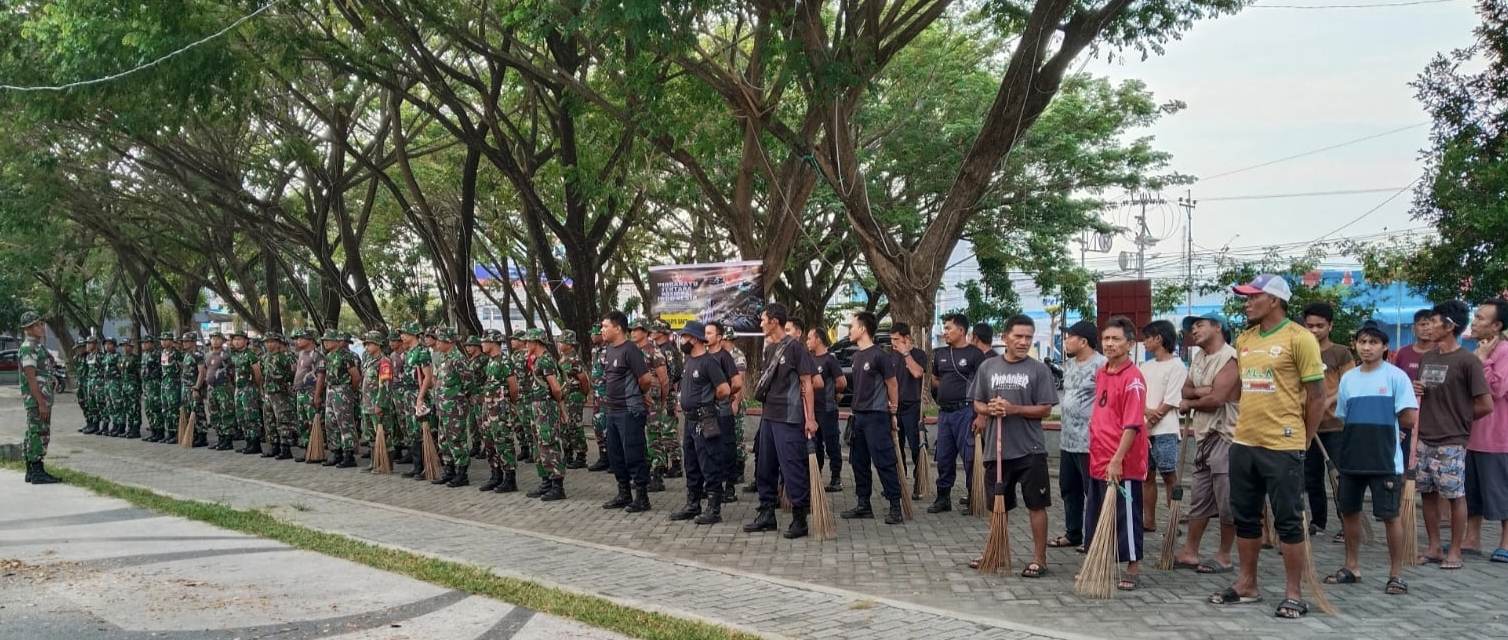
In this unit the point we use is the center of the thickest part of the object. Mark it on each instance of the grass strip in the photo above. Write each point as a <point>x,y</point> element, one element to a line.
<point>592,610</point>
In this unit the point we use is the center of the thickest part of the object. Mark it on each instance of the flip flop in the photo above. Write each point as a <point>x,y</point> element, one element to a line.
<point>1343,576</point>
<point>1424,559</point>
<point>1500,555</point>
<point>1451,566</point>
<point>1396,587</point>
<point>1230,596</point>
<point>1291,609</point>
<point>1060,542</point>
<point>1192,566</point>
<point>1033,570</point>
<point>1210,567</point>
<point>1471,552</point>
<point>1127,583</point>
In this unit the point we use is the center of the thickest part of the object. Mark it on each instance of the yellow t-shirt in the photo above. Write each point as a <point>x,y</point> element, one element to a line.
<point>1274,367</point>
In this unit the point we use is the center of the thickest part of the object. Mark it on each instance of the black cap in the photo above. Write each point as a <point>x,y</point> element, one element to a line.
<point>1086,330</point>
<point>1372,328</point>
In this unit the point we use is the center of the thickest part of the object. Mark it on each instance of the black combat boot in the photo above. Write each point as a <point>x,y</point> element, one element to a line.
<point>404,456</point>
<point>730,492</point>
<point>657,481</point>
<point>509,483</point>
<point>523,453</point>
<point>764,521</point>
<point>156,436</point>
<point>271,451</point>
<point>40,476</point>
<point>89,428</point>
<point>944,502</point>
<point>798,524</point>
<point>459,479</point>
<point>675,470</point>
<point>253,447</point>
<point>492,481</point>
<point>858,512</point>
<point>835,486</point>
<point>418,470</point>
<point>556,491</point>
<point>640,503</point>
<point>752,487</point>
<point>347,459</point>
<point>601,463</point>
<point>895,516</point>
<point>623,499</point>
<point>544,485</point>
<point>692,509</point>
<point>714,512</point>
<point>570,460</point>
<point>31,471</point>
<point>446,474</point>
<point>285,452</point>
<point>200,440</point>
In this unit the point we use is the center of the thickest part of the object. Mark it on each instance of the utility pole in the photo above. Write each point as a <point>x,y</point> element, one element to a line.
<point>1143,237</point>
<point>1188,203</point>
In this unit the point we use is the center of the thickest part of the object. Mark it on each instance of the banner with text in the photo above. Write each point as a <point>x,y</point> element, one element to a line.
<point>725,291</point>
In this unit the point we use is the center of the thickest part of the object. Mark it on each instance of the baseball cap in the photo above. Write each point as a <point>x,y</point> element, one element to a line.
<point>1374,329</point>
<point>1190,321</point>
<point>1086,330</point>
<point>694,330</point>
<point>1268,283</point>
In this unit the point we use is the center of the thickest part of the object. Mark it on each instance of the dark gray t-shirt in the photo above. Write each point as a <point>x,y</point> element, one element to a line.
<point>699,380</point>
<point>909,388</point>
<point>730,368</point>
<point>625,365</point>
<point>790,361</point>
<point>954,370</point>
<point>871,368</point>
<point>829,369</point>
<point>1025,383</point>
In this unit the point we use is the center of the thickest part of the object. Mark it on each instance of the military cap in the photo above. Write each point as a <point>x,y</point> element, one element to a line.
<point>29,318</point>
<point>167,336</point>
<point>238,333</point>
<point>217,334</point>
<point>273,336</point>
<point>445,334</point>
<point>257,339</point>
<point>473,341</point>
<point>640,324</point>
<point>566,335</point>
<point>374,337</point>
<point>518,334</point>
<point>331,335</point>
<point>412,329</point>
<point>394,336</point>
<point>596,329</point>
<point>109,340</point>
<point>660,326</point>
<point>191,336</point>
<point>492,335</point>
<point>535,335</point>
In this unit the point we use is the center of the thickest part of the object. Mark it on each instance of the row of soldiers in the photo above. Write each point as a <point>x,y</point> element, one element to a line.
<point>472,397</point>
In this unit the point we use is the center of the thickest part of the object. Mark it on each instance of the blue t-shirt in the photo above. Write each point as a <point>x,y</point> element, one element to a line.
<point>1369,404</point>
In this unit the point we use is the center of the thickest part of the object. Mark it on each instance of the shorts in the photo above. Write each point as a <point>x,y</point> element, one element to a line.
<point>1387,491</point>
<point>1211,490</point>
<point>1164,452</point>
<point>1130,546</point>
<point>1441,470</point>
<point>1028,471</point>
<point>1269,476</point>
<point>1487,485</point>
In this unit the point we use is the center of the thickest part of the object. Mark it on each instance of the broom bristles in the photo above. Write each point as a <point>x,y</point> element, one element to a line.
<point>1098,574</point>
<point>924,484</point>
<point>785,502</point>
<point>976,483</point>
<point>1269,530</point>
<point>381,461</point>
<point>997,546</point>
<point>185,428</point>
<point>1170,533</point>
<point>822,524</point>
<point>316,451</point>
<point>1311,579</point>
<point>900,473</point>
<point>431,453</point>
<point>1409,523</point>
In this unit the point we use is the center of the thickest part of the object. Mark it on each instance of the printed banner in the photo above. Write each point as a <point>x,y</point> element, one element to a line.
<point>725,291</point>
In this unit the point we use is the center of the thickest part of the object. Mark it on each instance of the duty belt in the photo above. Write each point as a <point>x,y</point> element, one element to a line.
<point>953,406</point>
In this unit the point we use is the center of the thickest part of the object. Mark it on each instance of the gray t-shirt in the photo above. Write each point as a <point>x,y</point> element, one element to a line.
<point>1078,402</point>
<point>872,367</point>
<point>1026,383</point>
<point>787,361</point>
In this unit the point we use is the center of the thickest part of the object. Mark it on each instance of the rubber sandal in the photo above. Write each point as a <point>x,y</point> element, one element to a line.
<point>1340,538</point>
<point>1081,549</point>
<point>1500,555</point>
<point>1210,567</point>
<point>1451,566</point>
<point>1127,583</point>
<point>1291,609</point>
<point>1471,552</point>
<point>1191,566</point>
<point>1230,596</point>
<point>1060,542</point>
<point>1033,570</point>
<point>1396,587</point>
<point>1343,576</point>
<point>1424,559</point>
<point>974,564</point>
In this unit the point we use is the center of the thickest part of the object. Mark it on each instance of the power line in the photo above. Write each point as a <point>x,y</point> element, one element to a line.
<point>1350,6</point>
<point>1307,194</point>
<point>1312,152</point>
<point>1371,211</point>
<point>143,67</point>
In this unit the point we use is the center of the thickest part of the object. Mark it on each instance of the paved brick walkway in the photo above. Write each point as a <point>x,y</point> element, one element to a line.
<point>875,580</point>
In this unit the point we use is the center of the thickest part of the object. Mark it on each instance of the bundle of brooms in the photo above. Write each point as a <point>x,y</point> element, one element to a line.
<point>382,462</point>
<point>186,428</point>
<point>1407,509</point>
<point>1175,511</point>
<point>823,527</point>
<point>923,485</point>
<point>900,469</point>
<point>431,453</point>
<point>976,479</point>
<point>1311,579</point>
<point>997,546</point>
<point>1101,566</point>
<point>316,451</point>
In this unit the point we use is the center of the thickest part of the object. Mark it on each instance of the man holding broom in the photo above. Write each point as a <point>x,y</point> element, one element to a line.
<point>1373,401</point>
<point>1282,402</point>
<point>1118,451</point>
<point>953,368</point>
<point>874,404</point>
<point>785,388</point>
<point>1014,394</point>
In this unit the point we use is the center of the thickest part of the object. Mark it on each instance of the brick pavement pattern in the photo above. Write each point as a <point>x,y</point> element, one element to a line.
<point>874,581</point>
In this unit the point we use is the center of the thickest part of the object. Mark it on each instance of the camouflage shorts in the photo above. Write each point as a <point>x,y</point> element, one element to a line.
<point>1442,470</point>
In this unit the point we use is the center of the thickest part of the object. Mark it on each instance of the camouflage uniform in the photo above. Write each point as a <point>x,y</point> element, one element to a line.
<point>599,389</point>
<point>376,392</point>
<point>151,385</point>
<point>657,419</point>
<point>306,363</point>
<point>130,383</point>
<point>573,437</point>
<point>414,360</point>
<point>452,374</point>
<point>170,364</point>
<point>477,369</point>
<point>543,412</point>
<point>671,440</point>
<point>523,431</point>
<point>193,394</point>
<point>113,400</point>
<point>497,433</point>
<point>219,403</point>
<point>247,396</point>
<point>277,387</point>
<point>739,413</point>
<point>38,431</point>
<point>340,399</point>
<point>91,390</point>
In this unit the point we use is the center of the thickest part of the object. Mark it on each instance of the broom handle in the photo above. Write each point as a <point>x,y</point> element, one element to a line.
<point>999,436</point>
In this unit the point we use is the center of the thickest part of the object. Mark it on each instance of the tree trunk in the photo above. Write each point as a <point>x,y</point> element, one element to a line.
<point>274,290</point>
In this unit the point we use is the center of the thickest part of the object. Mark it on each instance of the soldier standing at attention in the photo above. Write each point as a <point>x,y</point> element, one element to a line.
<point>599,415</point>
<point>498,382</point>
<point>413,384</point>
<point>674,364</point>
<point>658,395</point>
<point>305,362</point>
<point>451,372</point>
<point>89,384</point>
<point>546,412</point>
<point>246,378</point>
<point>172,393</point>
<point>523,432</point>
<point>151,374</point>
<point>109,375</point>
<point>376,390</point>
<point>477,366</point>
<point>277,386</point>
<point>398,423</point>
<point>36,395</point>
<point>336,383</point>
<point>193,381</point>
<point>219,402</point>
<point>577,388</point>
<point>130,380</point>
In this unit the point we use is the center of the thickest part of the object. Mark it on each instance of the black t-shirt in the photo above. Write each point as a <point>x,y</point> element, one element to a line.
<point>791,361</point>
<point>625,365</point>
<point>729,367</point>
<point>829,368</point>
<point>699,380</point>
<point>910,389</point>
<point>954,370</point>
<point>871,368</point>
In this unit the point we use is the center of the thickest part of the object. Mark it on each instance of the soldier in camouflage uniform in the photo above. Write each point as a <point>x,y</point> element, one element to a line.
<point>339,377</point>
<point>720,340</point>
<point>305,361</point>
<point>523,432</point>
<point>376,392</point>
<point>88,391</point>
<point>151,384</point>
<point>674,364</point>
<point>472,348</point>
<point>577,388</point>
<point>192,379</point>
<point>452,374</point>
<point>397,424</point>
<point>599,389</point>
<point>277,390</point>
<point>498,386</point>
<point>130,382</point>
<point>414,381</point>
<point>113,416</point>
<point>547,413</point>
<point>36,364</point>
<point>169,364</point>
<point>246,390</point>
<point>219,401</point>
<point>655,419</point>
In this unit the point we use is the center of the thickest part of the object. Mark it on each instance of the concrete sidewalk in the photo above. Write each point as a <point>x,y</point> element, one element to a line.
<point>74,565</point>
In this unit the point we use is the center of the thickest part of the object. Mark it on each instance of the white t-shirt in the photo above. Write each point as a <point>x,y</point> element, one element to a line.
<point>1164,386</point>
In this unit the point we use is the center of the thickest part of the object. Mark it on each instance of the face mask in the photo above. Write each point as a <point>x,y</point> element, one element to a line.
<point>686,348</point>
